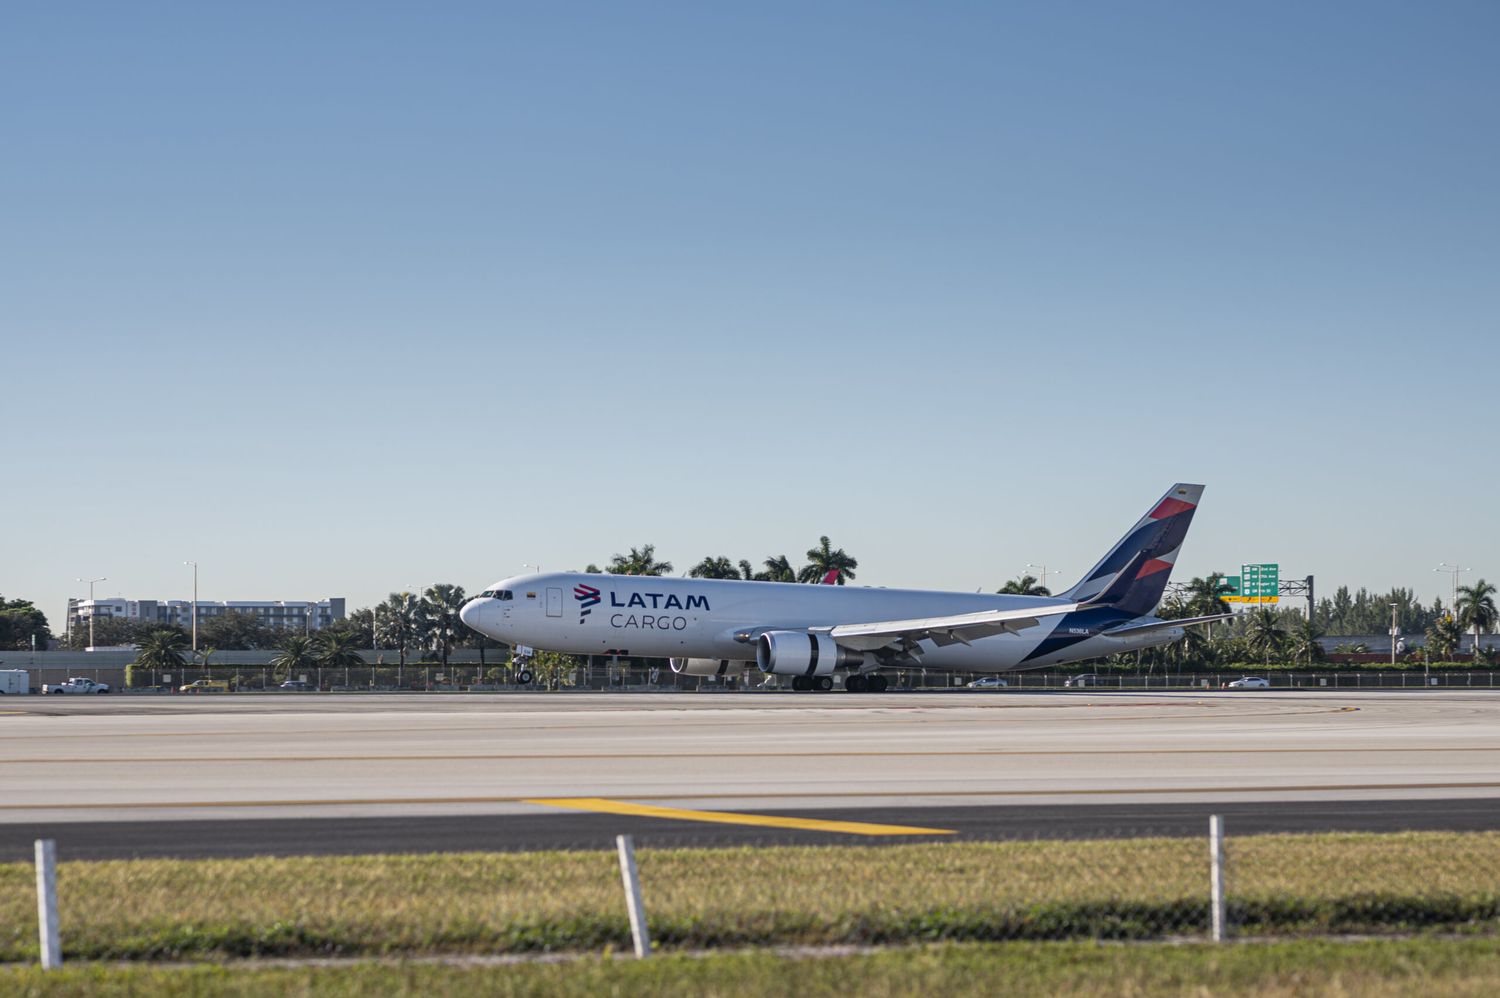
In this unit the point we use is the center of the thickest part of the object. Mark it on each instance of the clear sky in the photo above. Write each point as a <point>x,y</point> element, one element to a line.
<point>341,298</point>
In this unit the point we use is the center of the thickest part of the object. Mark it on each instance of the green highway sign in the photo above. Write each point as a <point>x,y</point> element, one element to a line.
<point>1260,583</point>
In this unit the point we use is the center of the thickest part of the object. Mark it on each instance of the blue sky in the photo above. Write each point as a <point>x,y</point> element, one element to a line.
<point>342,298</point>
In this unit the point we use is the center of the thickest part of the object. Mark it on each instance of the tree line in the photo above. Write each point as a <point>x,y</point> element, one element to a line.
<point>822,560</point>
<point>22,625</point>
<point>427,624</point>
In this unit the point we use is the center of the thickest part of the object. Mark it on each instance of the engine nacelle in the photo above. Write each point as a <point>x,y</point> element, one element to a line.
<point>705,666</point>
<point>798,653</point>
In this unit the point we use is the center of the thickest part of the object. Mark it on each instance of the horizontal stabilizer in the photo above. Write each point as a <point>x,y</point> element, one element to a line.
<point>1159,625</point>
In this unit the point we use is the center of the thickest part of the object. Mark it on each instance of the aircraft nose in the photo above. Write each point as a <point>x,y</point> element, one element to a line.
<point>469,612</point>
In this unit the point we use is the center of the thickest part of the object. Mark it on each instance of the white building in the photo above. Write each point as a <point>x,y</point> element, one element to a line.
<point>285,614</point>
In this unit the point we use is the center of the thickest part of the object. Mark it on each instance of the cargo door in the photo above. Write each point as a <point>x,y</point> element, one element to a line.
<point>554,602</point>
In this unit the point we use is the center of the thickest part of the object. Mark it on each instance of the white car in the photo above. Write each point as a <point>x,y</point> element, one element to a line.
<point>989,683</point>
<point>76,685</point>
<point>1250,683</point>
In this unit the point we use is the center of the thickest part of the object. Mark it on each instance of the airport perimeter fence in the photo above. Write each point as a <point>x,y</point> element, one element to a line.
<point>910,892</point>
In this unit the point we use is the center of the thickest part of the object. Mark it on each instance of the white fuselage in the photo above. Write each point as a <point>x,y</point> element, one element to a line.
<point>656,617</point>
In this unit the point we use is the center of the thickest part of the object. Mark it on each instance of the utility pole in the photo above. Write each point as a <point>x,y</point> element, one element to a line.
<point>92,608</point>
<point>195,605</point>
<point>1393,634</point>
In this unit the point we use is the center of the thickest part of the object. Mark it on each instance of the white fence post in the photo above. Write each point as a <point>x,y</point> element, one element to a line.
<point>1216,873</point>
<point>639,934</point>
<point>46,903</point>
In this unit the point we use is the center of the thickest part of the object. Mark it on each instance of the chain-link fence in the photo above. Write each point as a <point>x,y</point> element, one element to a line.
<point>702,898</point>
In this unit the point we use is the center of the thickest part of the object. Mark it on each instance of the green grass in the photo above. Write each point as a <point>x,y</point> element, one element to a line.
<point>1378,969</point>
<point>699,898</point>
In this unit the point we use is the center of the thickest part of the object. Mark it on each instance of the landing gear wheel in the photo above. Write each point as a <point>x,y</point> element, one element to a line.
<point>878,684</point>
<point>856,684</point>
<point>524,677</point>
<point>823,684</point>
<point>799,684</point>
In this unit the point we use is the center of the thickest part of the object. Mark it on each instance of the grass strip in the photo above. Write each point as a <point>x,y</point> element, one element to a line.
<point>706,898</point>
<point>1372,968</point>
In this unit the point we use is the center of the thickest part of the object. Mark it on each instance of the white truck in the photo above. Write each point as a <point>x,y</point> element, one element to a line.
<point>77,684</point>
<point>14,682</point>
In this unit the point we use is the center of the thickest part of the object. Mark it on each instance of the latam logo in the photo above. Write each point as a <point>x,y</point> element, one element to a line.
<point>587,597</point>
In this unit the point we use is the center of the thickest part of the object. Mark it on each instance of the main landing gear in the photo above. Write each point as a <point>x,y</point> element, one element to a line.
<point>804,684</point>
<point>852,684</point>
<point>866,684</point>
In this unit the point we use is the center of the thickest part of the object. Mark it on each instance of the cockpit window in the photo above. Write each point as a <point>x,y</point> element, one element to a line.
<point>497,594</point>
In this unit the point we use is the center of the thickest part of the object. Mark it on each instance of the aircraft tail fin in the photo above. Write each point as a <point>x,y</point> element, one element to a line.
<point>1133,575</point>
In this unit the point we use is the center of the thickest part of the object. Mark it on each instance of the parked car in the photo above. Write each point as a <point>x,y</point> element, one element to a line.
<point>77,684</point>
<point>1087,679</point>
<point>988,683</point>
<point>1250,683</point>
<point>297,686</point>
<point>205,686</point>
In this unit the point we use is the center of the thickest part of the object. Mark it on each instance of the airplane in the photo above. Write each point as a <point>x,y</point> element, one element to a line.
<point>810,633</point>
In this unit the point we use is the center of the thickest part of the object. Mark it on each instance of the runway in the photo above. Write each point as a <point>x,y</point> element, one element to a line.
<point>245,774</point>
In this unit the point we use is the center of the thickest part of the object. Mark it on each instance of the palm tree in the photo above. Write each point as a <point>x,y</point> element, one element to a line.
<point>161,650</point>
<point>335,650</point>
<point>1263,633</point>
<point>824,559</point>
<point>747,570</point>
<point>1443,637</point>
<point>204,654</point>
<point>1304,642</point>
<point>398,623</point>
<point>715,568</point>
<point>439,614</point>
<point>1205,597</point>
<point>1476,609</point>
<point>1024,586</point>
<point>642,562</point>
<point>295,655</point>
<point>778,569</point>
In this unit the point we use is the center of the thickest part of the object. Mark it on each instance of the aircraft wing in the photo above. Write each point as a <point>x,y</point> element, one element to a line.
<point>1158,625</point>
<point>961,628</point>
<point>964,628</point>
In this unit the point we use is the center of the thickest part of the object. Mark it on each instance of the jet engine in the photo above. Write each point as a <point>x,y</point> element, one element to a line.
<point>705,666</point>
<point>798,653</point>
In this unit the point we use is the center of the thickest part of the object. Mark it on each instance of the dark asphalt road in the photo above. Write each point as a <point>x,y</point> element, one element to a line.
<point>582,830</point>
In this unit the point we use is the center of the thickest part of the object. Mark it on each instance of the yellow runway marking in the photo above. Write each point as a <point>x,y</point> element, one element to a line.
<point>599,805</point>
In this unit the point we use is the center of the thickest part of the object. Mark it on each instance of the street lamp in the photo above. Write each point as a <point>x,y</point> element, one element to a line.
<point>1044,571</point>
<point>1453,571</point>
<point>307,624</point>
<point>92,608</point>
<point>536,568</point>
<point>195,605</point>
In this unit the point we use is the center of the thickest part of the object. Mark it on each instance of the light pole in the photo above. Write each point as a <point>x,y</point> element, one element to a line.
<point>1453,571</point>
<point>1393,634</point>
<point>195,605</point>
<point>535,568</point>
<point>1044,571</point>
<point>92,608</point>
